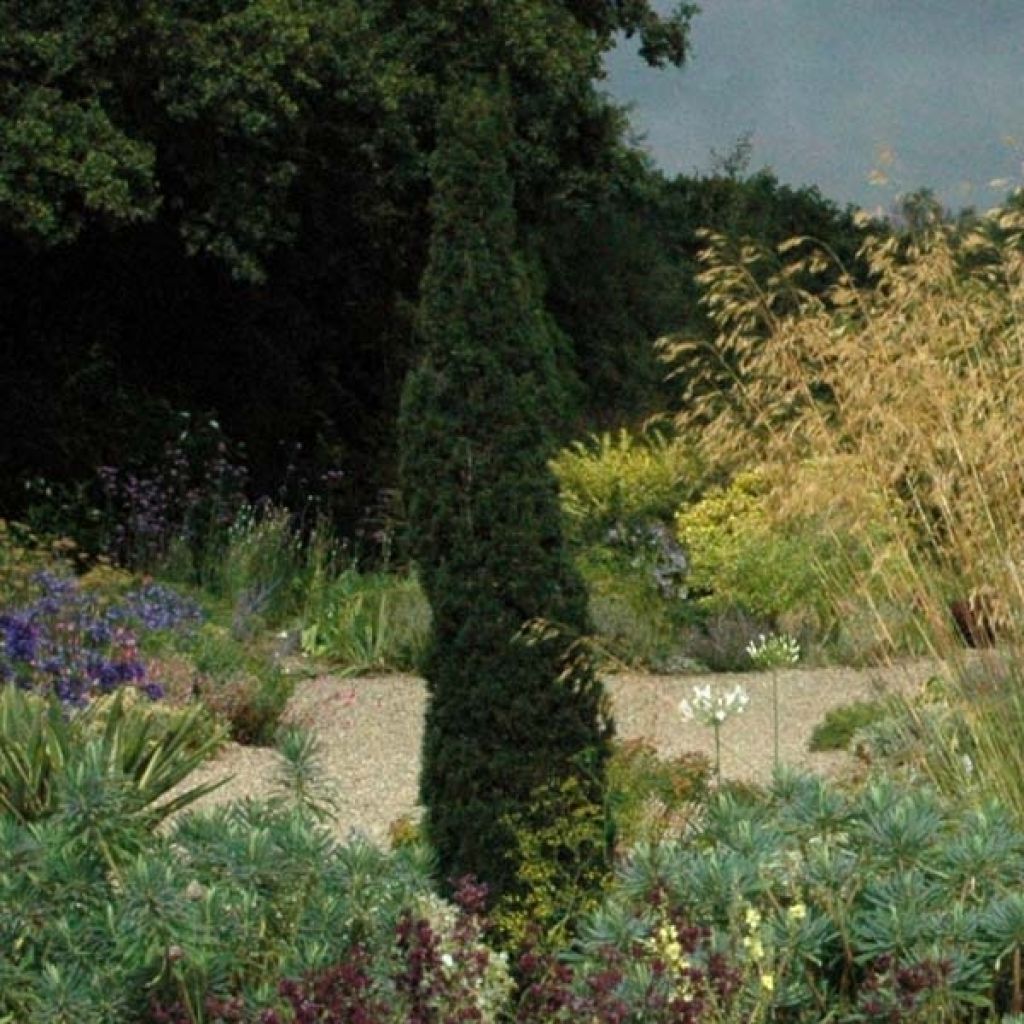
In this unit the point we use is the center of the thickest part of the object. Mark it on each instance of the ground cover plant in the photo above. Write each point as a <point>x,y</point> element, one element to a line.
<point>836,731</point>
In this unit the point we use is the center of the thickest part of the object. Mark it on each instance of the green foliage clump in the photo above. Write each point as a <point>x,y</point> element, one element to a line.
<point>635,622</point>
<point>838,727</point>
<point>827,904</point>
<point>738,556</point>
<point>225,917</point>
<point>242,684</point>
<point>259,570</point>
<point>616,480</point>
<point>649,796</point>
<point>617,492</point>
<point>559,864</point>
<point>367,622</point>
<point>509,716</point>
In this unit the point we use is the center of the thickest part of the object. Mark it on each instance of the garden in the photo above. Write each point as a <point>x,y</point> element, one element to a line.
<point>712,714</point>
<point>836,529</point>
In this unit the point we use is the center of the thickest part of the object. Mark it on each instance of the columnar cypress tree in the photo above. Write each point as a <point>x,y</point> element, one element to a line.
<point>508,718</point>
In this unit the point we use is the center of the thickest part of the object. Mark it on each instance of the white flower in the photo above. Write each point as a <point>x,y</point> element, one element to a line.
<point>711,708</point>
<point>774,650</point>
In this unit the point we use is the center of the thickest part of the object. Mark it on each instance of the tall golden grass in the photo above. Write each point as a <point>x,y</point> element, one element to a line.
<point>900,403</point>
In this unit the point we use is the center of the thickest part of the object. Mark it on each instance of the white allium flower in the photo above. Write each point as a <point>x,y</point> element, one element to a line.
<point>713,708</point>
<point>774,650</point>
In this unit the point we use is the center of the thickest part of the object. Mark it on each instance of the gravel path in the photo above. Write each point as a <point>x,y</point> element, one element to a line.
<point>371,729</point>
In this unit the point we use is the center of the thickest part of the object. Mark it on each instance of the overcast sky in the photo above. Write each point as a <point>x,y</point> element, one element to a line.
<point>926,92</point>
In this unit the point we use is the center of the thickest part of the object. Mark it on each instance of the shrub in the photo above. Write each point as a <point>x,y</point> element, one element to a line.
<point>508,717</point>
<point>634,622</point>
<point>620,481</point>
<point>739,556</point>
<point>719,643</point>
<point>245,687</point>
<point>240,913</point>
<point>651,797</point>
<point>559,863</point>
<point>838,727</point>
<point>821,903</point>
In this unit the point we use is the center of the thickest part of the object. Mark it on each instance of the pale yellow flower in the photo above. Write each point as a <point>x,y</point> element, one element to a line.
<point>797,912</point>
<point>768,982</point>
<point>666,943</point>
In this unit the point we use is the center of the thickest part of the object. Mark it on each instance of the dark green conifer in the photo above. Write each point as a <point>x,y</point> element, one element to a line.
<point>511,719</point>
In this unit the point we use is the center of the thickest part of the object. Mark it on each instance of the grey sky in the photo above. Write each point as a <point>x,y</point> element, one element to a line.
<point>830,89</point>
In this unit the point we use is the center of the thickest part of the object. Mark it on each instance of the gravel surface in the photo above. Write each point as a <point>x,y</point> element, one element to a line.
<point>371,728</point>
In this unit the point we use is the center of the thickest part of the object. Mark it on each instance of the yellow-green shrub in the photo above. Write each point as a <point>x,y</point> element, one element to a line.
<point>780,544</point>
<point>623,478</point>
<point>560,841</point>
<point>740,557</point>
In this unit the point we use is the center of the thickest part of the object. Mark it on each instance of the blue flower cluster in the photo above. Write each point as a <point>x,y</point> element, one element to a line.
<point>71,643</point>
<point>155,607</point>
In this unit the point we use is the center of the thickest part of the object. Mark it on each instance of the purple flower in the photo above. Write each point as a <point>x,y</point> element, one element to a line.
<point>19,638</point>
<point>66,642</point>
<point>157,607</point>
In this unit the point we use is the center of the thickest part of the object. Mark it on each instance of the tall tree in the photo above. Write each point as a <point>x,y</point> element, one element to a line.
<point>223,205</point>
<point>509,718</point>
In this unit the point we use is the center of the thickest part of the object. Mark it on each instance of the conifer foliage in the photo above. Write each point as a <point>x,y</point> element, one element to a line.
<point>509,718</point>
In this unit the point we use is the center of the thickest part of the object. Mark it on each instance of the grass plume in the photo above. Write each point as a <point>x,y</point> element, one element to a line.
<point>892,413</point>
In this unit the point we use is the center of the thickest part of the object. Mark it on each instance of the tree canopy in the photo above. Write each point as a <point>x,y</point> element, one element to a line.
<point>222,206</point>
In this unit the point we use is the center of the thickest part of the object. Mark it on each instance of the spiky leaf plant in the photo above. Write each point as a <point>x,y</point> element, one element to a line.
<point>47,755</point>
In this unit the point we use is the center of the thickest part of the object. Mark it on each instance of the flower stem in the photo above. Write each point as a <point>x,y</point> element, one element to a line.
<point>718,753</point>
<point>775,718</point>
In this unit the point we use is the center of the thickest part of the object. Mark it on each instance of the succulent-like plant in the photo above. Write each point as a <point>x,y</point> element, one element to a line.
<point>825,902</point>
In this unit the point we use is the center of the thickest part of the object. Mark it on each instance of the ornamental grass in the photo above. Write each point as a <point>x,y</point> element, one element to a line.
<point>890,415</point>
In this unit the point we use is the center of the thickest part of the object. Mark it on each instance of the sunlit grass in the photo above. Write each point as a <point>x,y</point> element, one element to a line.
<point>892,414</point>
